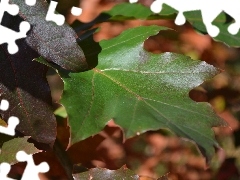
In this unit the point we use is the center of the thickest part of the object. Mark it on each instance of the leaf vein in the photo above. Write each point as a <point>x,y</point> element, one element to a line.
<point>146,72</point>
<point>90,106</point>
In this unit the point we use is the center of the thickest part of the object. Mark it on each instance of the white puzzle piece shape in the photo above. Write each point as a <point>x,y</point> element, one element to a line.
<point>7,35</point>
<point>12,121</point>
<point>31,171</point>
<point>209,9</point>
<point>4,170</point>
<point>4,105</point>
<point>12,9</point>
<point>52,16</point>
<point>30,2</point>
<point>76,11</point>
<point>10,129</point>
<point>133,1</point>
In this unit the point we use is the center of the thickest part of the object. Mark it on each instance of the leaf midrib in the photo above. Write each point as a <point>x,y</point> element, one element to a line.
<point>146,72</point>
<point>138,97</point>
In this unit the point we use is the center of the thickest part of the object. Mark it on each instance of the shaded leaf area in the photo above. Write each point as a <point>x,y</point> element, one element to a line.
<point>23,83</point>
<point>10,149</point>
<point>124,11</point>
<point>79,26</point>
<point>87,43</point>
<point>100,173</point>
<point>55,43</point>
<point>141,91</point>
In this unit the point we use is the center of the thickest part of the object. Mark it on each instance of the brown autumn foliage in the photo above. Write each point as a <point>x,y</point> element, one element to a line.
<point>155,154</point>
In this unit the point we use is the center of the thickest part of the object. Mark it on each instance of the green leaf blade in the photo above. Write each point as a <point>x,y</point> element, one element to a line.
<point>124,11</point>
<point>127,9</point>
<point>141,91</point>
<point>10,149</point>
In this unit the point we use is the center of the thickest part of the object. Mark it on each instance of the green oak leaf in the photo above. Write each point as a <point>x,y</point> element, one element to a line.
<point>125,11</point>
<point>140,91</point>
<point>10,149</point>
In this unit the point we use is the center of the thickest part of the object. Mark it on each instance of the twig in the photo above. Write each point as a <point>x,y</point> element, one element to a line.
<point>63,159</point>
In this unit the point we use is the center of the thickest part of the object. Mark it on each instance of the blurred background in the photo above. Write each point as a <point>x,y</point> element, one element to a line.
<point>155,154</point>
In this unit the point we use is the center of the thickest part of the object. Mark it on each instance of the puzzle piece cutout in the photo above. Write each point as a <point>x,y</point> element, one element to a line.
<point>4,170</point>
<point>12,9</point>
<point>76,11</point>
<point>30,2</point>
<point>12,36</point>
<point>31,171</point>
<point>7,35</point>
<point>58,18</point>
<point>52,16</point>
<point>4,105</point>
<point>209,9</point>
<point>10,129</point>
<point>12,121</point>
<point>133,1</point>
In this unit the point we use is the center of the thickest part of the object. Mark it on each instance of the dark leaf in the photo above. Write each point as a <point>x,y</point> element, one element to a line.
<point>54,43</point>
<point>80,26</point>
<point>23,83</point>
<point>90,48</point>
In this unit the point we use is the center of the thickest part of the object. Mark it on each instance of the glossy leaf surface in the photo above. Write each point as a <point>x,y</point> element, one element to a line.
<point>141,91</point>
